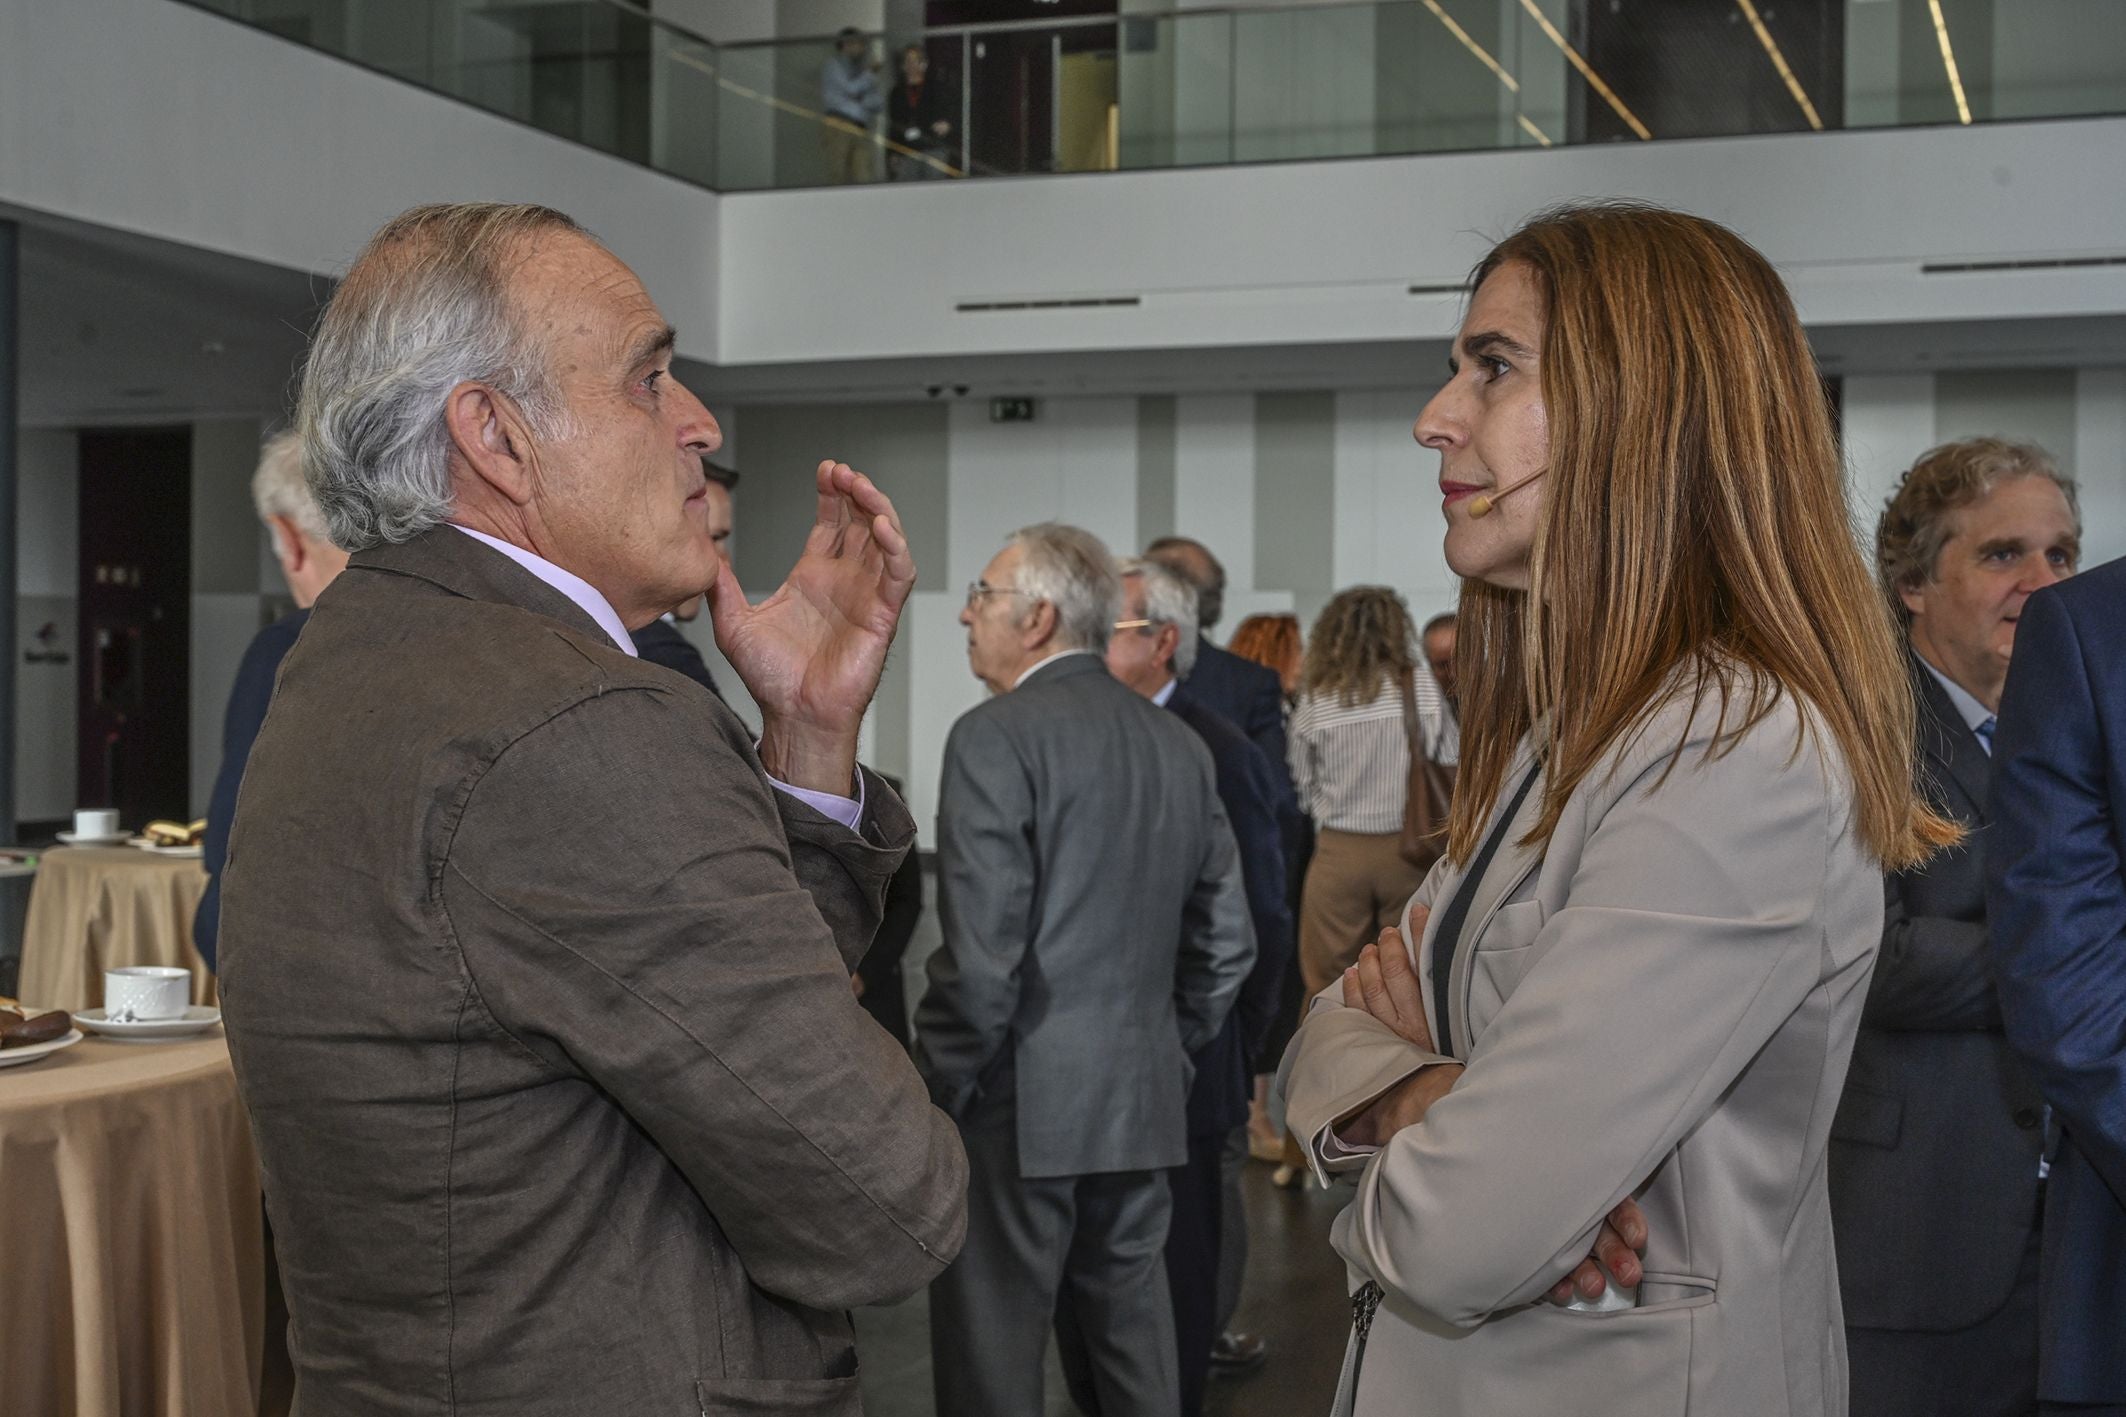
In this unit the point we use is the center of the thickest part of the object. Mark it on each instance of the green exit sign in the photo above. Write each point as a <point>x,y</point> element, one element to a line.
<point>1011,410</point>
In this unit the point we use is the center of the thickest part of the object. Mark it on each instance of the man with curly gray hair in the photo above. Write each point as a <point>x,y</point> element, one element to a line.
<point>1096,933</point>
<point>1937,1145</point>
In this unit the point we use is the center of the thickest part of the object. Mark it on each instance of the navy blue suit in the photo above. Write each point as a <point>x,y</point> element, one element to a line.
<point>1225,1070</point>
<point>2056,896</point>
<point>1251,697</point>
<point>1225,1067</point>
<point>662,642</point>
<point>248,700</point>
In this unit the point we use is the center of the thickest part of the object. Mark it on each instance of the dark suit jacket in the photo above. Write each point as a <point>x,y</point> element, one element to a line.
<point>1251,697</point>
<point>240,723</point>
<point>1935,1148</point>
<point>2056,890</point>
<point>1225,1071</point>
<point>1095,924</point>
<point>538,996</point>
<point>662,642</point>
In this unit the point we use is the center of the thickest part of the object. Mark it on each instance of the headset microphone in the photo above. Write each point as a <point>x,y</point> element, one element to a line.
<point>1480,507</point>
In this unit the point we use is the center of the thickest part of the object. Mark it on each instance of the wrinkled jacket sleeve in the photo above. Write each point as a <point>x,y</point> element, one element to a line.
<point>2055,895</point>
<point>1217,937</point>
<point>986,875</point>
<point>1933,972</point>
<point>688,953</point>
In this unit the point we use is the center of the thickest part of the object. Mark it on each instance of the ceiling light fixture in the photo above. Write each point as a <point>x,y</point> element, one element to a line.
<point>1512,84</point>
<point>1609,95</point>
<point>1771,47</point>
<point>1948,62</point>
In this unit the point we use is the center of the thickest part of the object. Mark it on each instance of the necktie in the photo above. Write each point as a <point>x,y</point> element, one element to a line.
<point>1985,735</point>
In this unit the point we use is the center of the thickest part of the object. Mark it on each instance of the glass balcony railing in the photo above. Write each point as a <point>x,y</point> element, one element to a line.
<point>1198,87</point>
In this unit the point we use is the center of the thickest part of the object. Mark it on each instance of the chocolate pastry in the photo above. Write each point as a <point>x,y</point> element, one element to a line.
<point>43,1028</point>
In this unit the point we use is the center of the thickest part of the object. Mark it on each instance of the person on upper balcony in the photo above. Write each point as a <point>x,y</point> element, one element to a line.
<point>850,101</point>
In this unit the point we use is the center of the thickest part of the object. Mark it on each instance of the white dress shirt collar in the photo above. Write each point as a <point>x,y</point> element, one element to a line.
<point>1166,694</point>
<point>580,591</point>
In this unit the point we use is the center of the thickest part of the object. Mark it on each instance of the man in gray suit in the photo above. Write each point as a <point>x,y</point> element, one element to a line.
<point>536,970</point>
<point>1096,932</point>
<point>1936,1145</point>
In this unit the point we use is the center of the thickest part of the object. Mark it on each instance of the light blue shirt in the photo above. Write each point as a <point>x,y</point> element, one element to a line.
<point>1969,709</point>
<point>850,93</point>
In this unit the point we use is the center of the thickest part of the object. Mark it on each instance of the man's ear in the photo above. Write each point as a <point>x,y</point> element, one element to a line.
<point>1039,626</point>
<point>288,547</point>
<point>489,435</point>
<point>1914,596</point>
<point>1164,647</point>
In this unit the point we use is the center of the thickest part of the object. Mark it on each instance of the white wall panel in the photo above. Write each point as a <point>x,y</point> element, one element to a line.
<point>1388,525</point>
<point>2100,462</point>
<point>942,689</point>
<point>1214,479</point>
<point>1075,463</point>
<point>1889,422</point>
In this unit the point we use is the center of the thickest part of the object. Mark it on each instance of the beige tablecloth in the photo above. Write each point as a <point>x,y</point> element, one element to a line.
<point>131,1238</point>
<point>99,907</point>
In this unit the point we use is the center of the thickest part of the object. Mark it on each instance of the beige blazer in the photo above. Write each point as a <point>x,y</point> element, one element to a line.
<point>1661,1003</point>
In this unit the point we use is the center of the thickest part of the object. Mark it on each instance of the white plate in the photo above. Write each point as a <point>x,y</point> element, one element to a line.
<point>9,1057</point>
<point>197,1019</point>
<point>194,850</point>
<point>113,839</point>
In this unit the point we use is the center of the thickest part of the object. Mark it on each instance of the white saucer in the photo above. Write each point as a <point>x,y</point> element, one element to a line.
<point>197,1019</point>
<point>194,850</point>
<point>9,1057</point>
<point>114,839</point>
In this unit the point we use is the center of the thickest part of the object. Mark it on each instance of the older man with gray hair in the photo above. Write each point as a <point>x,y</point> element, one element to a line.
<point>1095,935</point>
<point>308,562</point>
<point>1206,1242</point>
<point>535,966</point>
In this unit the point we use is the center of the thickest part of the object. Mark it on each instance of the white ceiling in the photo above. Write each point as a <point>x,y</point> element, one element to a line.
<point>125,329</point>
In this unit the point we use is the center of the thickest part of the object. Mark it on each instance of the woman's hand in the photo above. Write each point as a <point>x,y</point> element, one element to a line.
<point>1616,1251</point>
<point>1384,984</point>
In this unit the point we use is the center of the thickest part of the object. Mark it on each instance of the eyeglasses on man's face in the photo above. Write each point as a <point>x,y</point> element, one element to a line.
<point>1136,624</point>
<point>979,591</point>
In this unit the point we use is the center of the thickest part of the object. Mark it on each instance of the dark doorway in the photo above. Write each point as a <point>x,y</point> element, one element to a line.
<point>134,687</point>
<point>1015,107</point>
<point>1687,69</point>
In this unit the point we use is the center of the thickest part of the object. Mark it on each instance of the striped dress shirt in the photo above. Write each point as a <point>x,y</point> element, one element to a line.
<point>1351,762</point>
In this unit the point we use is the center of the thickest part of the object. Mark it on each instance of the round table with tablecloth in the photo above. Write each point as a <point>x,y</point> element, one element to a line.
<point>102,907</point>
<point>132,1244</point>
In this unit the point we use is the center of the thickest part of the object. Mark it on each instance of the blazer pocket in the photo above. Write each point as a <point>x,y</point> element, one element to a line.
<point>1503,955</point>
<point>752,1397</point>
<point>1868,1117</point>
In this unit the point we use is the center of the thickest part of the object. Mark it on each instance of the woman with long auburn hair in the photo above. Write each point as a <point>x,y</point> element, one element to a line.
<point>1586,1090</point>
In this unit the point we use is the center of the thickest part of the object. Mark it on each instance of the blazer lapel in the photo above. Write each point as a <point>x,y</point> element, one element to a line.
<point>1508,868</point>
<point>1954,755</point>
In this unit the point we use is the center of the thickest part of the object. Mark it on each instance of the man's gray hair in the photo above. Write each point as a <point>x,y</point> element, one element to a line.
<point>425,307</point>
<point>1073,570</point>
<point>279,489</point>
<point>1168,600</point>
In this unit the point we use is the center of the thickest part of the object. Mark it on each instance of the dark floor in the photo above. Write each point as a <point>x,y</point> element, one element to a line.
<point>1294,1297</point>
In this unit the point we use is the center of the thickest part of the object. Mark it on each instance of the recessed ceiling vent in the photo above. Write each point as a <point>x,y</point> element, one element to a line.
<point>2061,263</point>
<point>1458,288</point>
<point>1075,302</point>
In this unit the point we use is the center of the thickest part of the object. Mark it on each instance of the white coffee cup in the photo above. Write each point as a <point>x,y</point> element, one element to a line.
<point>147,991</point>
<point>94,823</point>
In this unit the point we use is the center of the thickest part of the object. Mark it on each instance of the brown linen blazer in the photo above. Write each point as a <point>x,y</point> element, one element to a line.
<point>538,995</point>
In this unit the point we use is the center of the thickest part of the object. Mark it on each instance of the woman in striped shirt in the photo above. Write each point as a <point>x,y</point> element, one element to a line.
<point>1350,753</point>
